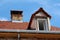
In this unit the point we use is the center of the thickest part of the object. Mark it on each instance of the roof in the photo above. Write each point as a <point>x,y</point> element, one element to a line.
<point>13,25</point>
<point>23,25</point>
<point>53,28</point>
<point>20,26</point>
<point>41,10</point>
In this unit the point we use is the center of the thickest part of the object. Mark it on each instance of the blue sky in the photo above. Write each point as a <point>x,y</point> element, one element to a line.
<point>29,7</point>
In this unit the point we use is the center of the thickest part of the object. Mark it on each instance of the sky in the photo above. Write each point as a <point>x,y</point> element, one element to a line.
<point>28,7</point>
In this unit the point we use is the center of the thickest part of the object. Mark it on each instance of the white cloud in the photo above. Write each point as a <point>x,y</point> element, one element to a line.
<point>3,19</point>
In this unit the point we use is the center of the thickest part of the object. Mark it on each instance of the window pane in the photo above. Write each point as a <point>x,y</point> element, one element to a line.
<point>41,26</point>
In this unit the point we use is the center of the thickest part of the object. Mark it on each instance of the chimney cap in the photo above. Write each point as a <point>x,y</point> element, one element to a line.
<point>16,11</point>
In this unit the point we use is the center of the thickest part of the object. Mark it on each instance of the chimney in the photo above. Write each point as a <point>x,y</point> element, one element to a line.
<point>16,16</point>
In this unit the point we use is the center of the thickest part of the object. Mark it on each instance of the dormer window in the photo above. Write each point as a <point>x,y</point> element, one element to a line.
<point>42,24</point>
<point>40,21</point>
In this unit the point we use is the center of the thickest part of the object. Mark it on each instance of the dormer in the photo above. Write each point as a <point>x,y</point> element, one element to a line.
<point>16,16</point>
<point>40,21</point>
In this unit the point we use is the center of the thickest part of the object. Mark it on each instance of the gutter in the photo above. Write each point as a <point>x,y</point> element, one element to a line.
<point>27,31</point>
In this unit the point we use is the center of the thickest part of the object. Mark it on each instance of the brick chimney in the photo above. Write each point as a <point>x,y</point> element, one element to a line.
<point>16,16</point>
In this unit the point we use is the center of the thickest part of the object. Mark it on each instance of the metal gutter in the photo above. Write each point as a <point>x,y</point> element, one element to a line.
<point>27,31</point>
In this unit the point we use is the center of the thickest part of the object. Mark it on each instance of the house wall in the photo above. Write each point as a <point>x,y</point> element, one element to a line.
<point>39,36</point>
<point>29,36</point>
<point>39,39</point>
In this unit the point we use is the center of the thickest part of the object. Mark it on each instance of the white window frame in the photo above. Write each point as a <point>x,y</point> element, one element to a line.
<point>44,27</point>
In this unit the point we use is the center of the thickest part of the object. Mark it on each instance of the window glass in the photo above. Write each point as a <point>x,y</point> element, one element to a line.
<point>42,24</point>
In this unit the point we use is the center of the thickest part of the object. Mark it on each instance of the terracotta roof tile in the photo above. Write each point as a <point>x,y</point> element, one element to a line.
<point>21,26</point>
<point>53,28</point>
<point>12,25</point>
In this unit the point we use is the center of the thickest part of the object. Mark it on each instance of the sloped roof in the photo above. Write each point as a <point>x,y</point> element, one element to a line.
<point>23,25</point>
<point>12,25</point>
<point>53,28</point>
<point>20,26</point>
<point>41,10</point>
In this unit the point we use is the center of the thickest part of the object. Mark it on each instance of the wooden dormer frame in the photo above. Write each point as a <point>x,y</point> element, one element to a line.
<point>47,25</point>
<point>33,15</point>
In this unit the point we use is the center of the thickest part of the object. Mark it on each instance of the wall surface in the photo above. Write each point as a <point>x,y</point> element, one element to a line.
<point>29,36</point>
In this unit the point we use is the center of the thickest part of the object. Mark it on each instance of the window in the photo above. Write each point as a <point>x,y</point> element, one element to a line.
<point>42,24</point>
